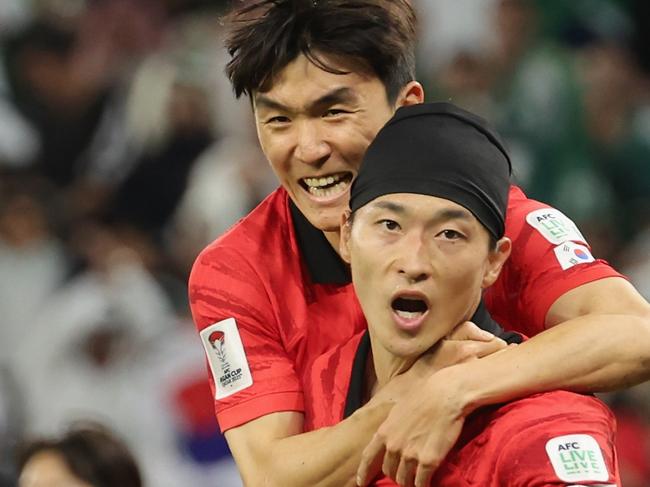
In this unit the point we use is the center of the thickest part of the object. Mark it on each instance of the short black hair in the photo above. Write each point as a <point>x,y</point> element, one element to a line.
<point>92,453</point>
<point>265,35</point>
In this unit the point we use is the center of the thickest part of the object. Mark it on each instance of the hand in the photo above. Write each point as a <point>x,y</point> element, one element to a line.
<point>426,421</point>
<point>465,342</point>
<point>417,434</point>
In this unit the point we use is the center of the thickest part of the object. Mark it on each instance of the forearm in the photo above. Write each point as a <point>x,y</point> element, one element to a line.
<point>324,457</point>
<point>593,353</point>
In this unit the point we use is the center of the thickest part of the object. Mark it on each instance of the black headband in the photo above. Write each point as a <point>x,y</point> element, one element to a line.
<point>438,149</point>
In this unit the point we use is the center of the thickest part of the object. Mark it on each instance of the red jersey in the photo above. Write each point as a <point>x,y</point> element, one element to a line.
<point>552,439</point>
<point>271,294</point>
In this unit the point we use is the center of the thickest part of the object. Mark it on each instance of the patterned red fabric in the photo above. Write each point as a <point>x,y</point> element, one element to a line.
<point>499,446</point>
<point>256,274</point>
<point>532,278</point>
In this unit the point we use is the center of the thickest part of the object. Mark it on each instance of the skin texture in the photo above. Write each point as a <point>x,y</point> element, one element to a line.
<point>423,247</point>
<point>303,135</point>
<point>416,427</point>
<point>419,246</point>
<point>314,124</point>
<point>48,469</point>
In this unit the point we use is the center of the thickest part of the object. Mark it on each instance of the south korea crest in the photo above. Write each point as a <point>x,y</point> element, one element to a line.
<point>226,357</point>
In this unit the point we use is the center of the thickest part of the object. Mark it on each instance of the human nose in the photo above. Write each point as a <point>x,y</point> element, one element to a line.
<point>311,148</point>
<point>414,262</point>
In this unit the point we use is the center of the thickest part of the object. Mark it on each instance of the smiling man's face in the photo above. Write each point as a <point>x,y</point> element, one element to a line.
<point>314,128</point>
<point>419,264</point>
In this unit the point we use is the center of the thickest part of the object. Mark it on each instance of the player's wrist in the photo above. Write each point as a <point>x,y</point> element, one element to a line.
<point>455,384</point>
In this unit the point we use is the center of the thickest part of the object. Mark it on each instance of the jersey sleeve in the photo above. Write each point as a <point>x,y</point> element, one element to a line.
<point>565,449</point>
<point>251,373</point>
<point>549,258</point>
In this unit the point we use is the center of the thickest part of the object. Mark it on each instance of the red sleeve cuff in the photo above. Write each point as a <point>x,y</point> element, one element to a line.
<point>259,406</point>
<point>561,286</point>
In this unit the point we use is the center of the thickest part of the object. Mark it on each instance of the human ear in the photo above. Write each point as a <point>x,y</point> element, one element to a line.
<point>344,241</point>
<point>411,94</point>
<point>496,258</point>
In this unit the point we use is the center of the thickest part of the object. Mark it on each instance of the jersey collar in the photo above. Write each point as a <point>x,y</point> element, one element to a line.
<point>325,266</point>
<point>354,398</point>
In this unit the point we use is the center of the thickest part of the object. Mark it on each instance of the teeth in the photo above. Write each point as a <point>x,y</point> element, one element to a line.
<point>332,190</point>
<point>324,181</point>
<point>409,315</point>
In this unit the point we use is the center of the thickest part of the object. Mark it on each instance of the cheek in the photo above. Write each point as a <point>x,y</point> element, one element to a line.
<point>276,152</point>
<point>366,265</point>
<point>362,272</point>
<point>463,276</point>
<point>353,139</point>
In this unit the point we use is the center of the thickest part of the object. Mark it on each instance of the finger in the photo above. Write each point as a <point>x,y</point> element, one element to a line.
<point>406,472</point>
<point>423,475</point>
<point>391,463</point>
<point>469,331</point>
<point>371,461</point>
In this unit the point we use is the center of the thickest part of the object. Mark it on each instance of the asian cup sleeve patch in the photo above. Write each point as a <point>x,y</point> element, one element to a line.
<point>577,458</point>
<point>554,226</point>
<point>569,254</point>
<point>226,357</point>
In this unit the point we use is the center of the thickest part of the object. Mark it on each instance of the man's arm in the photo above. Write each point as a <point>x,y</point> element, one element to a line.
<point>598,340</point>
<point>273,450</point>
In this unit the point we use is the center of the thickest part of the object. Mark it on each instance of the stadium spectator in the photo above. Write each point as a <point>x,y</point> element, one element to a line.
<point>86,456</point>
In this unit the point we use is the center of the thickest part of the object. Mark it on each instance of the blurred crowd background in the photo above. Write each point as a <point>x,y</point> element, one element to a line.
<point>123,152</point>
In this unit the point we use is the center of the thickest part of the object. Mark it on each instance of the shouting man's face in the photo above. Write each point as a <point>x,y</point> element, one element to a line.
<point>314,128</point>
<point>419,264</point>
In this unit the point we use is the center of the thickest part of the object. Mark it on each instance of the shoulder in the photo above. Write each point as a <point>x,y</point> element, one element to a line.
<point>232,276</point>
<point>552,438</point>
<point>549,258</point>
<point>526,214</point>
<point>248,243</point>
<point>556,407</point>
<point>268,222</point>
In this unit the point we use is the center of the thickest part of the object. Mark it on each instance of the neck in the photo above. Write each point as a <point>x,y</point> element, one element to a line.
<point>333,238</point>
<point>386,365</point>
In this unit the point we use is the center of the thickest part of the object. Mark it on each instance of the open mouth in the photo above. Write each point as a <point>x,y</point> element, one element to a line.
<point>325,186</point>
<point>409,308</point>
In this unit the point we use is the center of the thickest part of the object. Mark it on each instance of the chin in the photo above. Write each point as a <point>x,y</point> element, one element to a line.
<point>325,223</point>
<point>405,349</point>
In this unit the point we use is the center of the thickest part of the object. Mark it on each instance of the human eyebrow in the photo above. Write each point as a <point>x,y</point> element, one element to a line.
<point>447,214</point>
<point>389,205</point>
<point>343,95</point>
<point>262,101</point>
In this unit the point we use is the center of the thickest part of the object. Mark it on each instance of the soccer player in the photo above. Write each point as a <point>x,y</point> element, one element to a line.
<point>323,78</point>
<point>425,239</point>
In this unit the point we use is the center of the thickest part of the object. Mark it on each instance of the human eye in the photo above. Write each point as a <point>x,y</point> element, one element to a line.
<point>451,235</point>
<point>277,120</point>
<point>335,112</point>
<point>387,224</point>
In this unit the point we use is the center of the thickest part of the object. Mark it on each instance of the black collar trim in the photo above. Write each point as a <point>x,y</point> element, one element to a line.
<point>354,399</point>
<point>325,266</point>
